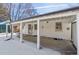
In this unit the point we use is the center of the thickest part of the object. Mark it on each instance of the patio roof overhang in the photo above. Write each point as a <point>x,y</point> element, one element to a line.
<point>56,14</point>
<point>4,22</point>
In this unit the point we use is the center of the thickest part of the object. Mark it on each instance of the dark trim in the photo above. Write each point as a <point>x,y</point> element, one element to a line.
<point>71,31</point>
<point>64,10</point>
<point>73,22</point>
<point>74,45</point>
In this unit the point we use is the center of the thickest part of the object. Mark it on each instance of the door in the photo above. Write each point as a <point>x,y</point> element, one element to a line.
<point>29,29</point>
<point>74,33</point>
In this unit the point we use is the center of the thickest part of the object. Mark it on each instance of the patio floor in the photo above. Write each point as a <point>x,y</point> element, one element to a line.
<point>63,46</point>
<point>15,47</point>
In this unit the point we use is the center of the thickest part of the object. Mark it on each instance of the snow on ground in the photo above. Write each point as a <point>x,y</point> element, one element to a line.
<point>15,47</point>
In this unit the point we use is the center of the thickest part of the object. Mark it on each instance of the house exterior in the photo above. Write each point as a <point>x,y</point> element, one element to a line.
<point>3,27</point>
<point>63,24</point>
<point>50,28</point>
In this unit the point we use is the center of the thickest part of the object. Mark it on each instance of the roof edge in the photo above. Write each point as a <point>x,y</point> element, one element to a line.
<point>69,9</point>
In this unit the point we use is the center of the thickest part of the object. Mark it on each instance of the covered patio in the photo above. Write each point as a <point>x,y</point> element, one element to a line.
<point>57,43</point>
<point>63,46</point>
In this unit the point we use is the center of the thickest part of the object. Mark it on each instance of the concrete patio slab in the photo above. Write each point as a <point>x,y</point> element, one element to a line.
<point>63,46</point>
<point>15,47</point>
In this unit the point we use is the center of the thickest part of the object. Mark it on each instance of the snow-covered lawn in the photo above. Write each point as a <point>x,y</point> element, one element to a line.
<point>15,47</point>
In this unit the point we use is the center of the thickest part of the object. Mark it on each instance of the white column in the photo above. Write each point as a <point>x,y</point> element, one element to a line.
<point>12,30</point>
<point>77,23</point>
<point>38,34</point>
<point>6,30</point>
<point>33,29</point>
<point>21,36</point>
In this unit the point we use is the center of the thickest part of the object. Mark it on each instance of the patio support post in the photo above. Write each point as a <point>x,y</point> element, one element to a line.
<point>12,30</point>
<point>21,36</point>
<point>6,30</point>
<point>38,34</point>
<point>77,23</point>
<point>33,29</point>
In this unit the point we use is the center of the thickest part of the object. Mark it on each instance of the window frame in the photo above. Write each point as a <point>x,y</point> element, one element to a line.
<point>35,26</point>
<point>58,26</point>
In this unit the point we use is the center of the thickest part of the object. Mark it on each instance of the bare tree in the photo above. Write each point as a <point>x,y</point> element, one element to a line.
<point>25,10</point>
<point>18,12</point>
<point>3,12</point>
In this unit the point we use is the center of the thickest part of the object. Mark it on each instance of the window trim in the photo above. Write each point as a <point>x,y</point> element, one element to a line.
<point>35,26</point>
<point>59,25</point>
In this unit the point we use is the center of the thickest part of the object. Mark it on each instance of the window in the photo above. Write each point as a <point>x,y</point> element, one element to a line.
<point>58,26</point>
<point>35,26</point>
<point>29,26</point>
